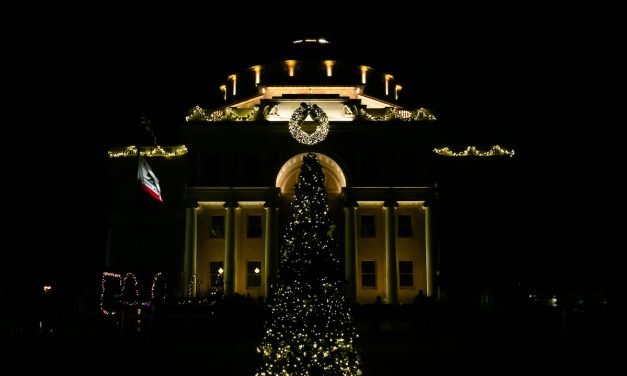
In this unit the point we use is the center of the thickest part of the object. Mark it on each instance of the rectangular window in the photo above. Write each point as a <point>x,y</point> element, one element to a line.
<point>368,274</point>
<point>254,226</point>
<point>404,226</point>
<point>367,226</point>
<point>216,227</point>
<point>253,274</point>
<point>216,274</point>
<point>406,273</point>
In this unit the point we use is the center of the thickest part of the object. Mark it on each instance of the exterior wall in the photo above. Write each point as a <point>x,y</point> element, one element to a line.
<point>413,249</point>
<point>408,249</point>
<point>371,249</point>
<point>209,249</point>
<point>249,249</point>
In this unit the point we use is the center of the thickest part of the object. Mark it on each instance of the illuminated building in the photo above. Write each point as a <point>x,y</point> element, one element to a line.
<point>227,190</point>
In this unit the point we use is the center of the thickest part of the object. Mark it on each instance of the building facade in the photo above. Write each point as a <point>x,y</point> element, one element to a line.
<point>227,190</point>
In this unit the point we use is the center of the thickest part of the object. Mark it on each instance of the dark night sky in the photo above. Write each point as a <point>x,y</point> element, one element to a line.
<point>513,76</point>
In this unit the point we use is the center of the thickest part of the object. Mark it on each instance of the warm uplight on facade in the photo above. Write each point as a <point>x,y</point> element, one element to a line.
<point>364,70</point>
<point>257,69</point>
<point>398,88</point>
<point>329,65</point>
<point>233,77</point>
<point>223,90</point>
<point>388,77</point>
<point>291,64</point>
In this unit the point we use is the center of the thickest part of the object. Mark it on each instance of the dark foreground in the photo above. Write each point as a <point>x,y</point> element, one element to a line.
<point>403,340</point>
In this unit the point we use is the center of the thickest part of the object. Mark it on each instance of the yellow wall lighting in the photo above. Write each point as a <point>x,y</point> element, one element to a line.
<point>388,77</point>
<point>290,67</point>
<point>233,77</point>
<point>257,69</point>
<point>364,70</point>
<point>329,65</point>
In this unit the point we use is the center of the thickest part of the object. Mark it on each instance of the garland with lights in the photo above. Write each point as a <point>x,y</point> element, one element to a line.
<point>149,151</point>
<point>415,115</point>
<point>389,114</point>
<point>270,110</point>
<point>472,151</point>
<point>200,114</point>
<point>311,329</point>
<point>318,116</point>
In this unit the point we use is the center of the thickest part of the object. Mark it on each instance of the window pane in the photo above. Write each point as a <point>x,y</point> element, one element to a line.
<point>406,280</point>
<point>368,280</point>
<point>253,274</point>
<point>406,266</point>
<point>404,226</point>
<point>216,229</point>
<point>254,280</point>
<point>216,274</point>
<point>367,267</point>
<point>406,273</point>
<point>254,226</point>
<point>367,228</point>
<point>368,274</point>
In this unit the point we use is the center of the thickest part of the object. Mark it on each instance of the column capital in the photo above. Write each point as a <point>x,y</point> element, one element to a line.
<point>192,204</point>
<point>350,204</point>
<point>231,204</point>
<point>348,198</point>
<point>390,204</point>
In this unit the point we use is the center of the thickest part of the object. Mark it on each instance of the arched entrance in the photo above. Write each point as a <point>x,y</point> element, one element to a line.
<point>287,177</point>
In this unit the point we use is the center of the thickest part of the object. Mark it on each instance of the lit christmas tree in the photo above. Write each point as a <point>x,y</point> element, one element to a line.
<point>311,330</point>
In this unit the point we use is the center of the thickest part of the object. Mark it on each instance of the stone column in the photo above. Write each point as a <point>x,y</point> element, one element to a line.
<point>191,249</point>
<point>271,246</point>
<point>229,248</point>
<point>429,251</point>
<point>391,258</point>
<point>350,251</point>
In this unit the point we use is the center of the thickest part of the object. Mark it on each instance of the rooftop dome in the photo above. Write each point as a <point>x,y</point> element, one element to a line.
<point>311,71</point>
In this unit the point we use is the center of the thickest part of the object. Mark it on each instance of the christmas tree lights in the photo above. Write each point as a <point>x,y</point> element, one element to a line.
<point>311,330</point>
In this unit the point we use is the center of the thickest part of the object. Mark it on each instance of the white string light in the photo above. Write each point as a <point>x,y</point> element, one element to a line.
<point>319,117</point>
<point>149,151</point>
<point>472,151</point>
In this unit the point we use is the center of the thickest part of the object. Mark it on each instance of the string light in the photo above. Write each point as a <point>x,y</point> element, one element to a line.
<point>472,151</point>
<point>105,277</point>
<point>149,151</point>
<point>420,114</point>
<point>311,329</point>
<point>222,114</point>
<point>414,115</point>
<point>135,288</point>
<point>153,289</point>
<point>319,117</point>
<point>389,114</point>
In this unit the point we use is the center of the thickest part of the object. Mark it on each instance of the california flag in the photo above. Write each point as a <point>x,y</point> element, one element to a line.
<point>148,180</point>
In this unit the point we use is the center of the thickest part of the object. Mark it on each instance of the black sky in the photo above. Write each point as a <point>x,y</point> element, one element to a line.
<point>83,84</point>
